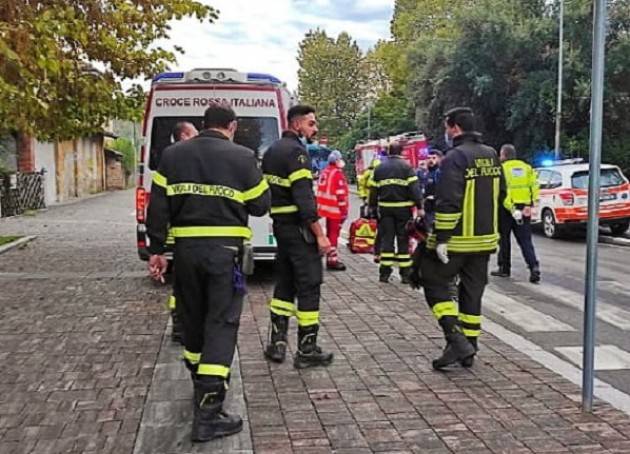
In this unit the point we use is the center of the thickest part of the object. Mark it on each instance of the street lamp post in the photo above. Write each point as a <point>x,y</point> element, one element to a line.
<point>560,78</point>
<point>597,112</point>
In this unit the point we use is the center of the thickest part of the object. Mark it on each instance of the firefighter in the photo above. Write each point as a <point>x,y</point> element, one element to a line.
<point>301,242</point>
<point>183,130</point>
<point>205,189</point>
<point>516,213</point>
<point>395,191</point>
<point>332,205</point>
<point>468,195</point>
<point>363,183</point>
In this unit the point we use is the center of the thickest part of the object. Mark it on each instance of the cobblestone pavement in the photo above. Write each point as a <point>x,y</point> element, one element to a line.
<point>80,330</point>
<point>87,368</point>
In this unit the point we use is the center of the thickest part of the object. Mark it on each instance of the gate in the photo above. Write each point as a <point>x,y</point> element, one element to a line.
<point>20,192</point>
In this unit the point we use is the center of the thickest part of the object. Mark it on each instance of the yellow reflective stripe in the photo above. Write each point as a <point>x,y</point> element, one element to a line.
<point>277,181</point>
<point>444,308</point>
<point>281,307</point>
<point>386,262</point>
<point>307,318</point>
<point>471,332</point>
<point>471,319</point>
<point>405,264</point>
<point>469,209</point>
<point>191,357</point>
<point>299,174</point>
<point>448,216</point>
<point>256,191</point>
<point>171,303</point>
<point>159,180</point>
<point>211,190</point>
<point>495,196</point>
<point>170,239</point>
<point>214,231</point>
<point>284,209</point>
<point>412,179</point>
<point>403,256</point>
<point>392,182</point>
<point>218,370</point>
<point>445,225</point>
<point>387,255</point>
<point>396,204</point>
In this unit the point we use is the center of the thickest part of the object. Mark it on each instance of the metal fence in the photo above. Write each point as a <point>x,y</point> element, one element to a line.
<point>21,192</point>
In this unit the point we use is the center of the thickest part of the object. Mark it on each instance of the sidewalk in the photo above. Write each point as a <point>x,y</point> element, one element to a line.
<point>381,395</point>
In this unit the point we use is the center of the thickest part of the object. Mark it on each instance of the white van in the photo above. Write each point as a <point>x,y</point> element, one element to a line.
<point>260,102</point>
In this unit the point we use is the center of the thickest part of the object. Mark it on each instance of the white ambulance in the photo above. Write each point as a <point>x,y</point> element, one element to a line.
<point>260,102</point>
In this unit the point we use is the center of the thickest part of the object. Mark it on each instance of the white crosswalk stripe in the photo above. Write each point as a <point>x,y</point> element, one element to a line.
<point>522,315</point>
<point>607,357</point>
<point>606,312</point>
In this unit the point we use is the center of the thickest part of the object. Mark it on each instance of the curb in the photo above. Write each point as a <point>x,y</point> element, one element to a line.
<point>616,241</point>
<point>17,243</point>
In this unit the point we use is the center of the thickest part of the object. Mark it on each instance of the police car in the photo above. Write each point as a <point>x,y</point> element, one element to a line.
<point>260,101</point>
<point>564,197</point>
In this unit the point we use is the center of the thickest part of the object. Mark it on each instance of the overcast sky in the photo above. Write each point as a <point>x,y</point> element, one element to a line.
<point>263,35</point>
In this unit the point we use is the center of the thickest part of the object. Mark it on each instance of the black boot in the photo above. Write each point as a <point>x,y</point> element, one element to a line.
<point>534,275</point>
<point>405,275</point>
<point>309,354</point>
<point>457,346</point>
<point>276,350</point>
<point>468,362</point>
<point>177,329</point>
<point>501,272</point>
<point>384,273</point>
<point>209,420</point>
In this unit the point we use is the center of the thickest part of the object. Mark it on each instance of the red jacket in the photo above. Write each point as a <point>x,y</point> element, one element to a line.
<point>332,193</point>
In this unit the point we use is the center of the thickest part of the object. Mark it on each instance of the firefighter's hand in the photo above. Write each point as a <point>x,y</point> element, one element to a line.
<point>517,215</point>
<point>157,267</point>
<point>442,252</point>
<point>323,244</point>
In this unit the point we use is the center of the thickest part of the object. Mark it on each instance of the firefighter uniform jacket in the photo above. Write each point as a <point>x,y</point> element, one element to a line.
<point>522,184</point>
<point>468,195</point>
<point>395,185</point>
<point>205,187</point>
<point>332,193</point>
<point>287,168</point>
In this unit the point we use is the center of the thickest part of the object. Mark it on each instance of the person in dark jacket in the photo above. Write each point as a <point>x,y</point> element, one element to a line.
<point>301,242</point>
<point>205,189</point>
<point>433,176</point>
<point>395,191</point>
<point>468,196</point>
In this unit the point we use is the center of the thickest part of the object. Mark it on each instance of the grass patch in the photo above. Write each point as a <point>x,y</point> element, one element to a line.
<point>8,239</point>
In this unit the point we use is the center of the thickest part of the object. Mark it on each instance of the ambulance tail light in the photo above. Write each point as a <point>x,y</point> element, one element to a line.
<point>141,204</point>
<point>566,198</point>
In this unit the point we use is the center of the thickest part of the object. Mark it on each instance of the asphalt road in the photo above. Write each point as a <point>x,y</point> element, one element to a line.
<point>551,314</point>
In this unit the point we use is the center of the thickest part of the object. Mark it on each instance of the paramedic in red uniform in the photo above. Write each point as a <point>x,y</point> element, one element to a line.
<point>332,204</point>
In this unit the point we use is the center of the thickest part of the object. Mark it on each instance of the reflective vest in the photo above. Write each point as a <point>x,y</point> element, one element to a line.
<point>521,184</point>
<point>332,193</point>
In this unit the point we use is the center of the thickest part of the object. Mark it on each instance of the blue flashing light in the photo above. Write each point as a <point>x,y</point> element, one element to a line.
<point>547,162</point>
<point>163,76</point>
<point>261,77</point>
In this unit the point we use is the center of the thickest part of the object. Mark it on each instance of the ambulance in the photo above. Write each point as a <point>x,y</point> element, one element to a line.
<point>260,101</point>
<point>563,200</point>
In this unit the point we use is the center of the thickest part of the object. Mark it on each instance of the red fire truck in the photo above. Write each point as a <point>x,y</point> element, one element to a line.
<point>415,149</point>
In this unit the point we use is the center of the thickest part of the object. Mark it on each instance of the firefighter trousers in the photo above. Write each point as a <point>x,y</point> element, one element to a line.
<point>437,280</point>
<point>298,275</point>
<point>523,234</point>
<point>209,301</point>
<point>394,240</point>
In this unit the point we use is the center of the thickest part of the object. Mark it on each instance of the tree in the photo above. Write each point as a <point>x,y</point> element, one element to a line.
<point>125,146</point>
<point>332,79</point>
<point>62,63</point>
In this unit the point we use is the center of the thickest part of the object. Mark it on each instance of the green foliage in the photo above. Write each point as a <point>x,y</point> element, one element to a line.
<point>8,239</point>
<point>125,146</point>
<point>501,59</point>
<point>49,52</point>
<point>332,79</point>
